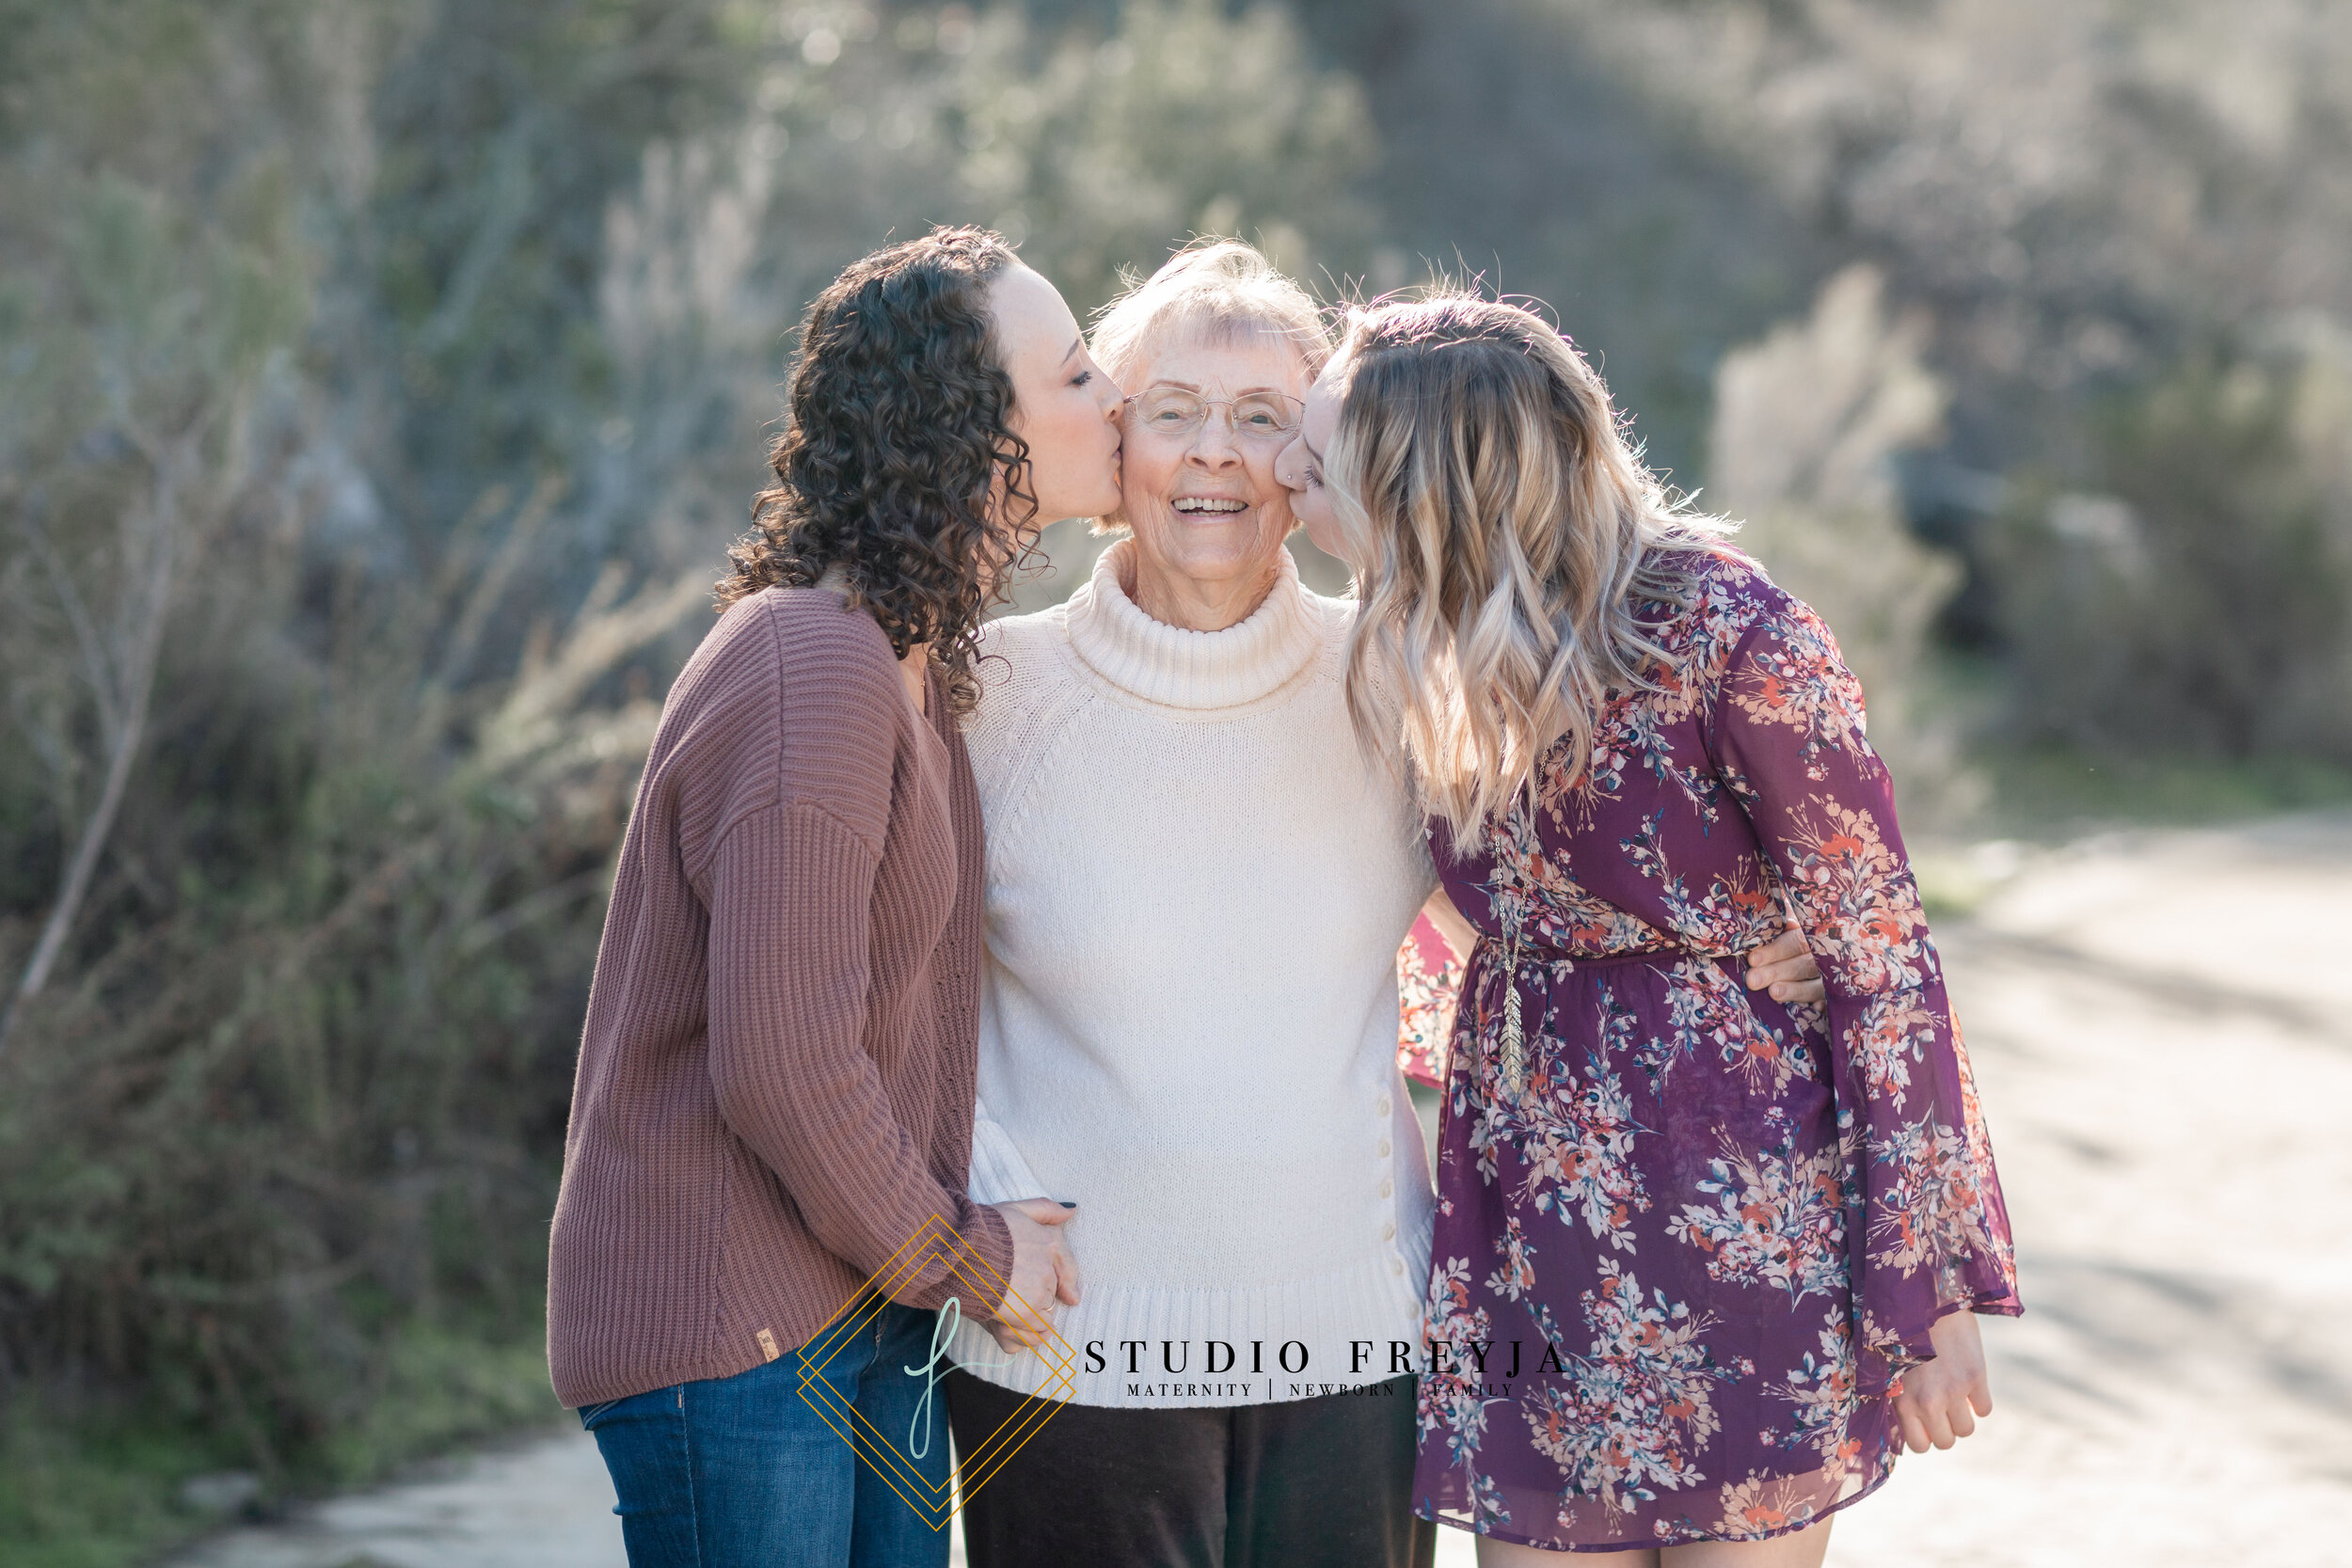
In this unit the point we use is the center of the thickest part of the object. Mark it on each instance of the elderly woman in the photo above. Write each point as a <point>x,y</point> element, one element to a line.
<point>1197,889</point>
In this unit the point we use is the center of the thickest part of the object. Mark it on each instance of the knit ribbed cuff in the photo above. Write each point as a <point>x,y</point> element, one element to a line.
<point>999,1174</point>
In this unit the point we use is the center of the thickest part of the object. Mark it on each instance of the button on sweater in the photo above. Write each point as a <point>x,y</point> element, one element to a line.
<point>775,1079</point>
<point>1197,887</point>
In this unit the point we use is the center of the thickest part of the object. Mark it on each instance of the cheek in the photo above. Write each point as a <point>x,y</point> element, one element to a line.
<point>1144,471</point>
<point>1282,512</point>
<point>1054,431</point>
<point>1314,509</point>
<point>1275,497</point>
<point>1065,443</point>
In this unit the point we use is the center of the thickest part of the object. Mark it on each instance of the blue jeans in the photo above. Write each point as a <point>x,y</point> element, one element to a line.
<point>743,1472</point>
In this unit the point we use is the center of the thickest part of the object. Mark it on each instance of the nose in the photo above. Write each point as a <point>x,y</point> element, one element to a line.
<point>1213,444</point>
<point>1288,471</point>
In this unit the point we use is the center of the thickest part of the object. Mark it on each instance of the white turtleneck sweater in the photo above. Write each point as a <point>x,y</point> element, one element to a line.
<point>1197,887</point>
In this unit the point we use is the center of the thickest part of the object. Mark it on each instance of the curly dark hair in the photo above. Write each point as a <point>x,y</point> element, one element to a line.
<point>897,430</point>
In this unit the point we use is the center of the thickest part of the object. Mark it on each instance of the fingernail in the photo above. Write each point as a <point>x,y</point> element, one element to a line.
<point>1066,1203</point>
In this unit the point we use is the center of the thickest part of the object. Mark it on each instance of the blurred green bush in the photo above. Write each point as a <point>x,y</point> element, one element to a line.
<point>2195,595</point>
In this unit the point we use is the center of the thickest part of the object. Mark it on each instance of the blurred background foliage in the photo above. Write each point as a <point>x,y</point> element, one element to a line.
<point>383,378</point>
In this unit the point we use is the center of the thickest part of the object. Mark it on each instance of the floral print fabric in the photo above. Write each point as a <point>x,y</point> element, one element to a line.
<point>1678,1272</point>
<point>1428,984</point>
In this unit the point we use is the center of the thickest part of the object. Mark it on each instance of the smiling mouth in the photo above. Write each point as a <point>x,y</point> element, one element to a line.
<point>1202,506</point>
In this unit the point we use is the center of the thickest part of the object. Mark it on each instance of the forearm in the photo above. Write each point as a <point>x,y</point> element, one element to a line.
<point>790,897</point>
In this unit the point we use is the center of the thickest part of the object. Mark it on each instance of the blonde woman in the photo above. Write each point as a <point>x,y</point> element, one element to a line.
<point>1703,1260</point>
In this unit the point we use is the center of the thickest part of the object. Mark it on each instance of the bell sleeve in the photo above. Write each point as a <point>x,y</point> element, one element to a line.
<point>1928,1232</point>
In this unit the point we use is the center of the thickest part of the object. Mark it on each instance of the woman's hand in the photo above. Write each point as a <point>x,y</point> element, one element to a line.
<point>1785,965</point>
<point>1043,1273</point>
<point>1942,1399</point>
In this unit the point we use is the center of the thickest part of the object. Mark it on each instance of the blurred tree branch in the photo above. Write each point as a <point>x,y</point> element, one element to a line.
<point>122,683</point>
<point>177,327</point>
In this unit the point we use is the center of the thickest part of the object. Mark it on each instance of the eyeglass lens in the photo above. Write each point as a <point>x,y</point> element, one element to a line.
<point>1259,416</point>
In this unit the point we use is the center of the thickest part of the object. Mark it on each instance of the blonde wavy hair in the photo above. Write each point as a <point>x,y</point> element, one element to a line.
<point>1505,532</point>
<point>1213,290</point>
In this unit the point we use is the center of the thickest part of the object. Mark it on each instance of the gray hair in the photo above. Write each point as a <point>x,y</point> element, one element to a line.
<point>1213,290</point>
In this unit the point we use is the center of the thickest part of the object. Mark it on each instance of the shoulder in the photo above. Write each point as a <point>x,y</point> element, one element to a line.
<point>1761,609</point>
<point>1729,585</point>
<point>1769,658</point>
<point>798,653</point>
<point>1338,617</point>
<point>765,637</point>
<point>1726,600</point>
<point>793,695</point>
<point>1021,657</point>
<point>818,637</point>
<point>1029,691</point>
<point>1335,623</point>
<point>842,703</point>
<point>1040,631</point>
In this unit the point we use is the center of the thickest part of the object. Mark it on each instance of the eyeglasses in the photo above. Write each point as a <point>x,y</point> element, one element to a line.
<point>1270,417</point>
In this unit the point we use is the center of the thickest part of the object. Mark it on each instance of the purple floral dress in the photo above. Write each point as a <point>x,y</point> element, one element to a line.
<point>1688,1237</point>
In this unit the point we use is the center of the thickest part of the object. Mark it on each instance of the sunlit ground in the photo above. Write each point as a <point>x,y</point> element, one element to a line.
<point>2158,1023</point>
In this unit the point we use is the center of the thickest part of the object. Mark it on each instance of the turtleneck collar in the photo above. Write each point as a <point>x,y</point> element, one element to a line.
<point>1177,668</point>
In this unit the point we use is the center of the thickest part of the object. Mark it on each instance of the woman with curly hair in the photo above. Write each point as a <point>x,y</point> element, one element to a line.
<point>1704,1260</point>
<point>774,1095</point>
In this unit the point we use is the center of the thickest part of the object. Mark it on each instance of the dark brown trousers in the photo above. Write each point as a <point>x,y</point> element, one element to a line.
<point>1306,1483</point>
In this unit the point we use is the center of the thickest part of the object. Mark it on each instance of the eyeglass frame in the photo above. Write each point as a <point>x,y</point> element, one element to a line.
<point>1286,432</point>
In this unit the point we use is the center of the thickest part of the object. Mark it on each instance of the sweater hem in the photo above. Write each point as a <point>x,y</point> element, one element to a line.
<point>1356,1315</point>
<point>709,1368</point>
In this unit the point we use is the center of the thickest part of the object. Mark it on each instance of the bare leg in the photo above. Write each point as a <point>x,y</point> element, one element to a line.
<point>1505,1554</point>
<point>1804,1549</point>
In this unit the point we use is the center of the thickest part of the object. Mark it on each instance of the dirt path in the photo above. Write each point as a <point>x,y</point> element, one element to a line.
<point>2162,1027</point>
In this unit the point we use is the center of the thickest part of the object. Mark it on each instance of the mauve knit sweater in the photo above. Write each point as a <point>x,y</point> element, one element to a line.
<point>775,1080</point>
